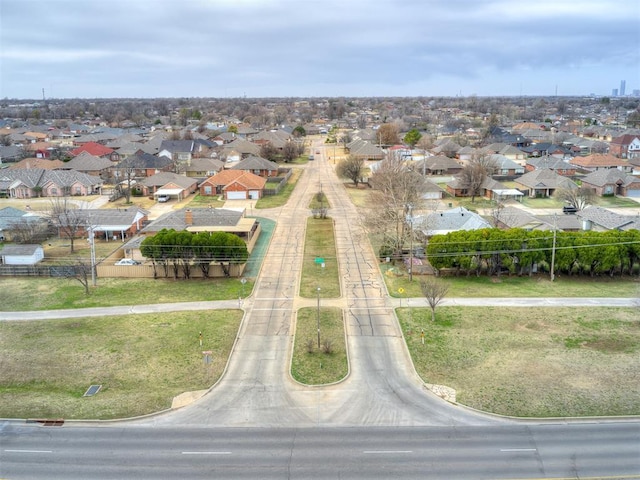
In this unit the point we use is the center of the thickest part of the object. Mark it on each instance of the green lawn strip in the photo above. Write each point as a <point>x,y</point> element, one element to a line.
<point>200,201</point>
<point>542,362</point>
<point>319,245</point>
<point>310,365</point>
<point>141,361</point>
<point>396,277</point>
<point>272,201</point>
<point>29,293</point>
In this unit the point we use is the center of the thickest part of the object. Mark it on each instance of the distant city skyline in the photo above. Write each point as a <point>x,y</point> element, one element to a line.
<point>282,48</point>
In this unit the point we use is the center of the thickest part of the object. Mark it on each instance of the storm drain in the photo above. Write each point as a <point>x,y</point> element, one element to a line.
<point>92,390</point>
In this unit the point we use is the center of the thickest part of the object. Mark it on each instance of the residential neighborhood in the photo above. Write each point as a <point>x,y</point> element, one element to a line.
<point>228,158</point>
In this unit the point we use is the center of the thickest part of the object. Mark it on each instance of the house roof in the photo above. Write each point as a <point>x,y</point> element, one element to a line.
<point>92,148</point>
<point>35,177</point>
<point>598,160</point>
<point>213,219</point>
<point>609,176</point>
<point>43,163</point>
<point>20,249</point>
<point>608,219</point>
<point>242,146</point>
<point>227,177</point>
<point>440,223</point>
<point>177,146</point>
<point>550,163</point>
<point>110,219</point>
<point>145,161</point>
<point>85,162</point>
<point>162,178</point>
<point>255,163</point>
<point>544,178</point>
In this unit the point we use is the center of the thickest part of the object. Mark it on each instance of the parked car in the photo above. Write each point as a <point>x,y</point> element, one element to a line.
<point>127,261</point>
<point>163,198</point>
<point>569,209</point>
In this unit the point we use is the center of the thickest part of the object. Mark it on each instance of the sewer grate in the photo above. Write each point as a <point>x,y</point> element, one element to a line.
<point>92,390</point>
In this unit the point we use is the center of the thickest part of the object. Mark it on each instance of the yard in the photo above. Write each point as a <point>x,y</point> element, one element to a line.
<point>141,362</point>
<point>538,362</point>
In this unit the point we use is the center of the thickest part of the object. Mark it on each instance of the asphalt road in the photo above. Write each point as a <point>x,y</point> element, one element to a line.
<point>396,428</point>
<point>508,452</point>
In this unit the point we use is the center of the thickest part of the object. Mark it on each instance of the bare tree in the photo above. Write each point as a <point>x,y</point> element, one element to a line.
<point>475,173</point>
<point>434,291</point>
<point>578,197</point>
<point>28,230</point>
<point>351,168</point>
<point>289,151</point>
<point>66,217</point>
<point>81,272</point>
<point>388,134</point>
<point>397,191</point>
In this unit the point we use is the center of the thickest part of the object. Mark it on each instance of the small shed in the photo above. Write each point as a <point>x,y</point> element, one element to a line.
<point>22,254</point>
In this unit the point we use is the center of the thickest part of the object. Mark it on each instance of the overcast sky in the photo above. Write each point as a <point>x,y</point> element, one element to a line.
<point>282,48</point>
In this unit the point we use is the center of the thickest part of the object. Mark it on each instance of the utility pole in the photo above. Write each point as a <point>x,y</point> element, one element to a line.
<point>318,317</point>
<point>553,248</point>
<point>410,207</point>
<point>92,243</point>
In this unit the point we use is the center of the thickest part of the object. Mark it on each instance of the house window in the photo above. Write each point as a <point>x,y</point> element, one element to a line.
<point>208,190</point>
<point>54,191</point>
<point>78,190</point>
<point>256,172</point>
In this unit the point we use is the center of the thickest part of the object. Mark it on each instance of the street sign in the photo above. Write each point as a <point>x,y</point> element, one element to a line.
<point>319,260</point>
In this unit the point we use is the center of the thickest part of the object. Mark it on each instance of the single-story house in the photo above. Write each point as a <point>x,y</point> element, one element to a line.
<point>234,185</point>
<point>613,182</point>
<point>258,166</point>
<point>171,184</point>
<point>437,165</point>
<point>600,219</point>
<point>601,161</point>
<point>38,182</point>
<point>21,254</point>
<point>543,183</point>
<point>452,220</point>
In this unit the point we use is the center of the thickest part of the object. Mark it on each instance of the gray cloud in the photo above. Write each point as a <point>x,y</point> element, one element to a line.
<point>150,48</point>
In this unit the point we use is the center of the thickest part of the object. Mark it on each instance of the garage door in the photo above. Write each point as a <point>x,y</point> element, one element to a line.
<point>236,195</point>
<point>254,195</point>
<point>633,193</point>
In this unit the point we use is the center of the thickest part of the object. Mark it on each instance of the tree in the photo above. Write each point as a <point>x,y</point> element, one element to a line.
<point>474,174</point>
<point>232,129</point>
<point>412,137</point>
<point>268,151</point>
<point>397,192</point>
<point>299,131</point>
<point>577,197</point>
<point>351,168</point>
<point>434,291</point>
<point>388,134</point>
<point>289,151</point>
<point>67,218</point>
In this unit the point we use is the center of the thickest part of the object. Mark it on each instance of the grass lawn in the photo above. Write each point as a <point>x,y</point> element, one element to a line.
<point>505,286</point>
<point>141,361</point>
<point>531,362</point>
<point>313,366</point>
<point>319,244</point>
<point>272,201</point>
<point>28,293</point>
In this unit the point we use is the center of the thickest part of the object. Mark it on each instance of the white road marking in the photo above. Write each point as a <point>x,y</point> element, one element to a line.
<point>376,452</point>
<point>29,451</point>
<point>518,449</point>
<point>206,453</point>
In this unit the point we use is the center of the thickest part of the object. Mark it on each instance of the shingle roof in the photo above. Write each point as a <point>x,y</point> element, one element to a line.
<point>609,220</point>
<point>93,148</point>
<point>255,163</point>
<point>201,217</point>
<point>86,162</point>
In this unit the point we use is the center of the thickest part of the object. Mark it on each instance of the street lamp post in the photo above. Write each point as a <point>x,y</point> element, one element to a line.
<point>243,281</point>
<point>318,317</point>
<point>553,248</point>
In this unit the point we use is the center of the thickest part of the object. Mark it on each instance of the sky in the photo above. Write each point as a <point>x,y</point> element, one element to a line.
<point>313,48</point>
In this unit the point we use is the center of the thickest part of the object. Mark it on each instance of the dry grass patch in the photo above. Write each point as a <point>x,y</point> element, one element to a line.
<point>141,361</point>
<point>539,362</point>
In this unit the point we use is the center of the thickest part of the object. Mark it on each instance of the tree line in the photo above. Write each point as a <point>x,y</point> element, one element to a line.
<point>180,251</point>
<point>522,252</point>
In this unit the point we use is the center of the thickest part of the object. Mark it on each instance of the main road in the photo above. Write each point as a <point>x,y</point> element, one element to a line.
<point>380,422</point>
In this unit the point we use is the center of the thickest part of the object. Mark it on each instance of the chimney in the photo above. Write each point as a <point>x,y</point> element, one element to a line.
<point>188,217</point>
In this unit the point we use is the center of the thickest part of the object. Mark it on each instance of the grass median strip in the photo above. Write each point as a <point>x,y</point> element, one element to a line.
<point>141,361</point>
<point>543,362</point>
<point>317,366</point>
